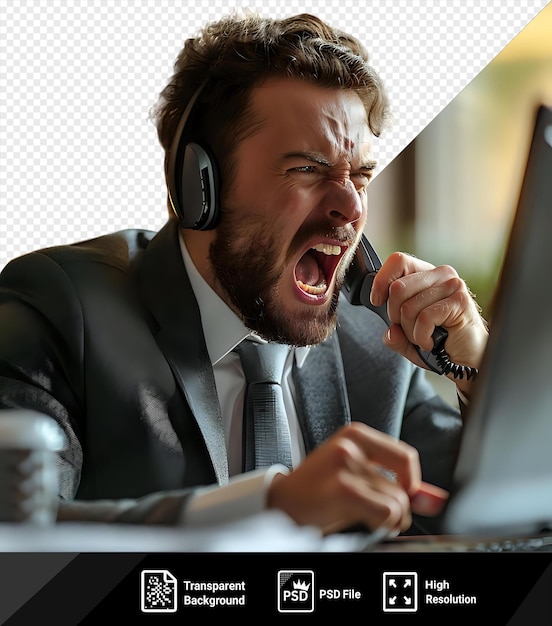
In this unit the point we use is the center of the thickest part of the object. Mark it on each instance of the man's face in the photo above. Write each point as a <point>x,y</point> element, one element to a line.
<point>295,210</point>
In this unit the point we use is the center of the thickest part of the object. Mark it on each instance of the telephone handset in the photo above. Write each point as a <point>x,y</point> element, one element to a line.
<point>357,287</point>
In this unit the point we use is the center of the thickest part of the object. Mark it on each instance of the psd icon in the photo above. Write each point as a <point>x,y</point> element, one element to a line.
<point>295,591</point>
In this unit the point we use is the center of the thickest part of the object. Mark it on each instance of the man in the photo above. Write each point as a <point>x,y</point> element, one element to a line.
<point>128,340</point>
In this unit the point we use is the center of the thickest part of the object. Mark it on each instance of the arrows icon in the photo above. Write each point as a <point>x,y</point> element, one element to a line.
<point>400,592</point>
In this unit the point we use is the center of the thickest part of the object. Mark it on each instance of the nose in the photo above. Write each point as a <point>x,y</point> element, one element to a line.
<point>342,203</point>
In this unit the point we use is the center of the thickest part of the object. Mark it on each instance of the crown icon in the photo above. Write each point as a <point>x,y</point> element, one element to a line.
<point>299,584</point>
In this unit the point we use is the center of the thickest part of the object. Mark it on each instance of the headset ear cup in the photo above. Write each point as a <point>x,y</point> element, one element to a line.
<point>192,177</point>
<point>199,189</point>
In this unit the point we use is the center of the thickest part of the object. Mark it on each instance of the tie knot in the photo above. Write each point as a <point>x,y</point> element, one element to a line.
<point>263,362</point>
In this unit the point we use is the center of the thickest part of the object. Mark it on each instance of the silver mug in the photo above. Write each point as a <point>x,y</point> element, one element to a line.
<point>29,489</point>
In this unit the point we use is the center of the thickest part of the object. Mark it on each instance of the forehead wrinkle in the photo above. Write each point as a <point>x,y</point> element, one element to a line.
<point>315,120</point>
<point>343,135</point>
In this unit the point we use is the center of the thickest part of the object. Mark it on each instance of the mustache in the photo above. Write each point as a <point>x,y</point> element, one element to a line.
<point>344,235</point>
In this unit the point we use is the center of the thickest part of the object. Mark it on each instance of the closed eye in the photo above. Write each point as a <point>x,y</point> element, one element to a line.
<point>361,181</point>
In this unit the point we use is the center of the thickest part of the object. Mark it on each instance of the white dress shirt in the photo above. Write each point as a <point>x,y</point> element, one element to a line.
<point>245,493</point>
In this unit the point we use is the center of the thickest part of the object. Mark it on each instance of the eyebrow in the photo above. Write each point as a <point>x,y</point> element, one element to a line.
<point>318,158</point>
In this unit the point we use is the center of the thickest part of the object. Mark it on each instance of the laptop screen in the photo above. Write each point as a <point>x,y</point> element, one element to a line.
<point>503,479</point>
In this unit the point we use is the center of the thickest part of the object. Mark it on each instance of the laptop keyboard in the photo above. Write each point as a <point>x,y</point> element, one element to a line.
<point>524,544</point>
<point>450,543</point>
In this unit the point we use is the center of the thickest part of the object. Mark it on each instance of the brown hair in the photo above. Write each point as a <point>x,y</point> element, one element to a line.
<point>236,54</point>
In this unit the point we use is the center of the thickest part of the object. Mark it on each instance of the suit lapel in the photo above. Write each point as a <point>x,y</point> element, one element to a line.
<point>322,401</point>
<point>166,289</point>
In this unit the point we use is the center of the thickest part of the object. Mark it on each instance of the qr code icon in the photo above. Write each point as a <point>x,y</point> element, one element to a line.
<point>158,591</point>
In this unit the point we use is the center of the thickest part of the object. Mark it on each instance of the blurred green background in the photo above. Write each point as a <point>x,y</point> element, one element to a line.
<point>450,196</point>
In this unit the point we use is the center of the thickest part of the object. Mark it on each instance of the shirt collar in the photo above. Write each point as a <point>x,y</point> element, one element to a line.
<point>222,328</point>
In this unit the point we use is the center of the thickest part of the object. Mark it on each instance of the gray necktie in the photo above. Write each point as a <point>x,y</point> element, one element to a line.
<point>266,437</point>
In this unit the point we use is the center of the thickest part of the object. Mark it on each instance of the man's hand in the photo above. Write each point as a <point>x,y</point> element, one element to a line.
<point>420,297</point>
<point>358,476</point>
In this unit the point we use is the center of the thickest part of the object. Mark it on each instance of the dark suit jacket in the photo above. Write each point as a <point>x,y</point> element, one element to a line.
<point>105,336</point>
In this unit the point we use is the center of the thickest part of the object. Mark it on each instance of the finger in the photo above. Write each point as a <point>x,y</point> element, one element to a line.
<point>396,339</point>
<point>389,453</point>
<point>391,506</point>
<point>387,512</point>
<point>423,292</point>
<point>420,315</point>
<point>399,264</point>
<point>373,501</point>
<point>429,500</point>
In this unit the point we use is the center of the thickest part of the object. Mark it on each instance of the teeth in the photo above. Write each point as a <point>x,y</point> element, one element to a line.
<point>315,290</point>
<point>327,248</point>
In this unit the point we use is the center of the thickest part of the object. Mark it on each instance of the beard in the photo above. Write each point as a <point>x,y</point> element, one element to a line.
<point>251,281</point>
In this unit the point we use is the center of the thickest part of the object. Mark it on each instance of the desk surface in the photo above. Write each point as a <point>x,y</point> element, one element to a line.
<point>267,532</point>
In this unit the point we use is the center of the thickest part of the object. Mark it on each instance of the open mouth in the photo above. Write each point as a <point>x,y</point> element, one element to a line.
<point>315,269</point>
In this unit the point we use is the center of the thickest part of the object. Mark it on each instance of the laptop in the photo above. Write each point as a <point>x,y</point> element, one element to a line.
<point>502,487</point>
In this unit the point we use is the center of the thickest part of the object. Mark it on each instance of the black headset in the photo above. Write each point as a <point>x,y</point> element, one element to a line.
<point>192,178</point>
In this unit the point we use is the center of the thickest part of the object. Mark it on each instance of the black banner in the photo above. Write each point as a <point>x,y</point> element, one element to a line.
<point>385,588</point>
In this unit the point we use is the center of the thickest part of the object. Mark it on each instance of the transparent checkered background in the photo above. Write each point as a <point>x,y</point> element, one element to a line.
<point>79,156</point>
